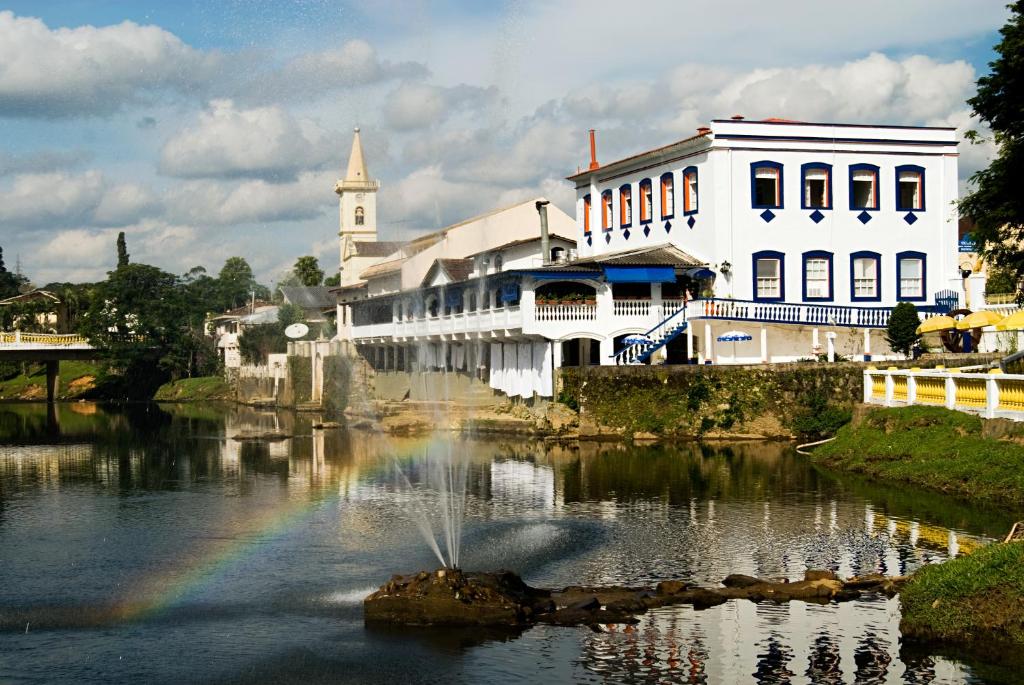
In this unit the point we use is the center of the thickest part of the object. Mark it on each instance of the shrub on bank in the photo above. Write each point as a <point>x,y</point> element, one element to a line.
<point>930,447</point>
<point>193,389</point>
<point>974,601</point>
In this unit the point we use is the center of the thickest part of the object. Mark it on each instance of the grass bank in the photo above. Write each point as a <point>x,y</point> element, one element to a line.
<point>934,448</point>
<point>973,602</point>
<point>193,389</point>
<point>77,378</point>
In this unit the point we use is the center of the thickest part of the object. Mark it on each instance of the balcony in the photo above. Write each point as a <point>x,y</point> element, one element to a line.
<point>463,325</point>
<point>808,314</point>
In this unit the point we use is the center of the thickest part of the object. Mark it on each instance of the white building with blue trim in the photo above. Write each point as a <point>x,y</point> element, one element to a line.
<point>803,236</point>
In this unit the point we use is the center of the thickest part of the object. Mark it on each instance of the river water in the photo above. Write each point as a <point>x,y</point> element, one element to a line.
<point>146,544</point>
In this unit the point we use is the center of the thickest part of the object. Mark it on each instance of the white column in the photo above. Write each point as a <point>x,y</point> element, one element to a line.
<point>830,340</point>
<point>868,384</point>
<point>888,388</point>
<point>991,396</point>
<point>657,312</point>
<point>911,387</point>
<point>607,349</point>
<point>950,392</point>
<point>815,342</point>
<point>689,342</point>
<point>708,354</point>
<point>867,344</point>
<point>764,345</point>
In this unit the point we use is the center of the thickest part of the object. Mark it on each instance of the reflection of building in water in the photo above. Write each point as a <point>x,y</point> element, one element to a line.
<point>823,665</point>
<point>522,484</point>
<point>872,658</point>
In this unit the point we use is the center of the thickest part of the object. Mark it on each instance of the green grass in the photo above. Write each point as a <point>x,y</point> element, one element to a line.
<point>33,385</point>
<point>192,389</point>
<point>932,448</point>
<point>974,601</point>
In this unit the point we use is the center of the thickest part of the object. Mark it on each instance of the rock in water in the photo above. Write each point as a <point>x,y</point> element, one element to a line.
<point>454,598</point>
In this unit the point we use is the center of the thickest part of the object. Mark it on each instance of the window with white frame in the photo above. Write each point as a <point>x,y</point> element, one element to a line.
<point>816,188</point>
<point>864,188</point>
<point>769,278</point>
<point>816,278</point>
<point>911,278</point>
<point>690,190</point>
<point>767,186</point>
<point>668,197</point>
<point>625,206</point>
<point>646,201</point>
<point>911,189</point>
<point>865,277</point>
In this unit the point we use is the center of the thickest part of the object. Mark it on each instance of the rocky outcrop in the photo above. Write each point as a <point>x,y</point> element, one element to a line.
<point>449,597</point>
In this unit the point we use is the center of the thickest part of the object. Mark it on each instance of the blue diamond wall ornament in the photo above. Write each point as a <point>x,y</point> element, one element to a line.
<point>647,231</point>
<point>625,234</point>
<point>864,217</point>
<point>690,222</point>
<point>590,240</point>
<point>767,215</point>
<point>910,218</point>
<point>607,237</point>
<point>817,216</point>
<point>668,226</point>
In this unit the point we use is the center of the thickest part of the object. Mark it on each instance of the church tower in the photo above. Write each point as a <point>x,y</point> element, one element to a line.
<point>357,206</point>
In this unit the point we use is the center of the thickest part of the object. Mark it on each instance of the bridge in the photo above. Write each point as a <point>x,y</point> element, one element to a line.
<point>48,348</point>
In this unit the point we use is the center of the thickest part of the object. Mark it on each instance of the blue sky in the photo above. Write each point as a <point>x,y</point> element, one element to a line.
<point>211,129</point>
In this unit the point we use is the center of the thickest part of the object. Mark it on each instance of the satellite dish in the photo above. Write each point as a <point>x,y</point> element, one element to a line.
<point>296,330</point>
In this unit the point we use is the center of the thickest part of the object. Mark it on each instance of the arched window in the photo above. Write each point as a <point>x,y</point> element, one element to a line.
<point>360,216</point>
<point>909,188</point>
<point>690,190</point>
<point>606,210</point>
<point>766,185</point>
<point>625,206</point>
<point>817,185</point>
<point>668,196</point>
<point>863,186</point>
<point>646,201</point>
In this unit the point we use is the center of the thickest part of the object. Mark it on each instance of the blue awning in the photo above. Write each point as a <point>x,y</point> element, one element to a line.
<point>509,292</point>
<point>640,274</point>
<point>547,275</point>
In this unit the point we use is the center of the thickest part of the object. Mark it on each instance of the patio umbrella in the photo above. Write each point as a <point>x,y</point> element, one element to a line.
<point>1014,322</point>
<point>937,323</point>
<point>985,317</point>
<point>635,339</point>
<point>734,337</point>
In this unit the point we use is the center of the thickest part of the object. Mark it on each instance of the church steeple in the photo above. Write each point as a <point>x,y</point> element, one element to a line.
<point>356,164</point>
<point>357,206</point>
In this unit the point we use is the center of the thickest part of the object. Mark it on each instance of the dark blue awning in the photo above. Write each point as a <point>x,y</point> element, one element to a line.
<point>640,274</point>
<point>546,275</point>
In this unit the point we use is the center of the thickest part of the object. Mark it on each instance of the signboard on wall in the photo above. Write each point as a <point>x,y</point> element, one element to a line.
<point>967,244</point>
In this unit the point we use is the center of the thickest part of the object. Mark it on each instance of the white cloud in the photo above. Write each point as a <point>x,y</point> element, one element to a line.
<point>59,199</point>
<point>87,70</point>
<point>264,142</point>
<point>255,201</point>
<point>419,105</point>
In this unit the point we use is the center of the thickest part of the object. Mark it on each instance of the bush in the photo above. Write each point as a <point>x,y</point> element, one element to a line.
<point>901,333</point>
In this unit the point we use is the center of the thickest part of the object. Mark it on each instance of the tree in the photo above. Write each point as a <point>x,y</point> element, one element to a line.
<point>1001,282</point>
<point>236,283</point>
<point>901,333</point>
<point>333,281</point>
<point>138,320</point>
<point>307,270</point>
<point>122,250</point>
<point>10,283</point>
<point>997,205</point>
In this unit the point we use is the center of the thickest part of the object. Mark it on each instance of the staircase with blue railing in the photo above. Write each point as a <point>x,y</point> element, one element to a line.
<point>653,340</point>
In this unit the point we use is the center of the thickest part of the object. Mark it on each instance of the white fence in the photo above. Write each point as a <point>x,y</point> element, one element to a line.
<point>993,394</point>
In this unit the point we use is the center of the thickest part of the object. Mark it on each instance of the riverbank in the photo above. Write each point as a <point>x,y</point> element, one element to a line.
<point>195,390</point>
<point>77,379</point>
<point>948,451</point>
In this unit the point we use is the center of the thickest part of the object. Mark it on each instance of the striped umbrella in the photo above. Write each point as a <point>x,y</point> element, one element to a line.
<point>734,337</point>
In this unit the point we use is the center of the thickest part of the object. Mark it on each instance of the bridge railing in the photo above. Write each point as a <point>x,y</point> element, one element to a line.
<point>49,339</point>
<point>993,394</point>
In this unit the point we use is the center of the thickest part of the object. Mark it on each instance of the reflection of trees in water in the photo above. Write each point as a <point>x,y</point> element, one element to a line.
<point>651,653</point>
<point>772,664</point>
<point>823,663</point>
<point>872,658</point>
<point>919,668</point>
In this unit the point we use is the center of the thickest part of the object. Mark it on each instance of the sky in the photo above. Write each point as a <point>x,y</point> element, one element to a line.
<point>205,130</point>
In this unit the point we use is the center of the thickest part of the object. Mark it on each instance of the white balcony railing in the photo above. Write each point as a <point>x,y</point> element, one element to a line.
<point>631,308</point>
<point>993,394</point>
<point>565,312</point>
<point>480,321</point>
<point>782,312</point>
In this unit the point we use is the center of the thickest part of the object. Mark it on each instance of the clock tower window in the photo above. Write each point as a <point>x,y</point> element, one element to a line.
<point>360,216</point>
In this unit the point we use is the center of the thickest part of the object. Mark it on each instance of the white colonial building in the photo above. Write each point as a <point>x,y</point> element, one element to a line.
<point>800,236</point>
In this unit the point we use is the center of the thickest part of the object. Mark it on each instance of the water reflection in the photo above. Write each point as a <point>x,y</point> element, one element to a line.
<point>141,526</point>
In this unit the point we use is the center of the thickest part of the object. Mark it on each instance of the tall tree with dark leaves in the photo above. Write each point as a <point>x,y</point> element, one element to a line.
<point>307,270</point>
<point>122,251</point>
<point>997,204</point>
